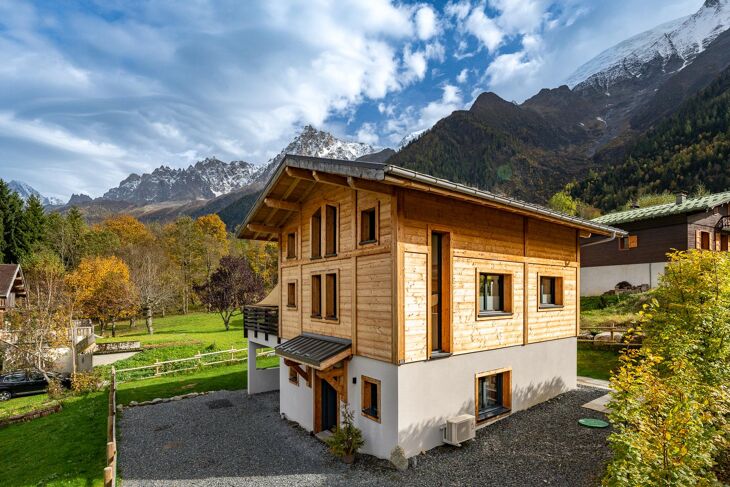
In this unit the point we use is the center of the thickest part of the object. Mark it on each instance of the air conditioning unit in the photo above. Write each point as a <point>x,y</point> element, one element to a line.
<point>459,429</point>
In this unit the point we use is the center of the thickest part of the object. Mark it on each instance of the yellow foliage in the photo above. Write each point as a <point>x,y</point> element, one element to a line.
<point>129,230</point>
<point>212,226</point>
<point>101,288</point>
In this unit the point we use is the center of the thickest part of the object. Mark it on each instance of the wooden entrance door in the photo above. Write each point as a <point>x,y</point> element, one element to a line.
<point>329,406</point>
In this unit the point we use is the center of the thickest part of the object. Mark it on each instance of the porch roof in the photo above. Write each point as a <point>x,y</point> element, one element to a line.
<point>316,351</point>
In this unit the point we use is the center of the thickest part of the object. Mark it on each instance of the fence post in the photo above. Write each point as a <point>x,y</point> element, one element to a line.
<point>108,477</point>
<point>197,356</point>
<point>613,325</point>
<point>232,352</point>
<point>157,367</point>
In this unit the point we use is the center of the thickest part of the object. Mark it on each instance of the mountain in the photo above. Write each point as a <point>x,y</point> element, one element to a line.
<point>25,191</point>
<point>564,135</point>
<point>204,180</point>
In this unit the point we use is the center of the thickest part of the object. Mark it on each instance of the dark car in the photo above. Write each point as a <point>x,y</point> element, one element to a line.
<point>22,383</point>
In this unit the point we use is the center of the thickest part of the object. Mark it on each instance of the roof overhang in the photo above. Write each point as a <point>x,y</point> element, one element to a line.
<point>12,279</point>
<point>296,175</point>
<point>317,351</point>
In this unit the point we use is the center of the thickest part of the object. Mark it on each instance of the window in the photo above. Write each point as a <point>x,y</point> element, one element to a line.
<point>316,296</point>
<point>368,231</point>
<point>293,376</point>
<point>316,237</point>
<point>551,292</point>
<point>291,245</point>
<point>705,240</point>
<point>628,242</point>
<point>495,293</point>
<point>725,242</point>
<point>371,398</point>
<point>291,295</point>
<point>331,231</point>
<point>331,296</point>
<point>493,394</point>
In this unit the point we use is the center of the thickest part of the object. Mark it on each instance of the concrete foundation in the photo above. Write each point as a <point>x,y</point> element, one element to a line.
<point>260,380</point>
<point>595,281</point>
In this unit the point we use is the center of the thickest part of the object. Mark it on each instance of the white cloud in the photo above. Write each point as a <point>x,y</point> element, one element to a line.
<point>414,119</point>
<point>484,28</point>
<point>507,68</point>
<point>520,16</point>
<point>462,76</point>
<point>367,134</point>
<point>426,23</point>
<point>415,63</point>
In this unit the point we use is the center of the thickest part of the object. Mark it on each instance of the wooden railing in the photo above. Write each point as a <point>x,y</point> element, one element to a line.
<point>110,471</point>
<point>261,319</point>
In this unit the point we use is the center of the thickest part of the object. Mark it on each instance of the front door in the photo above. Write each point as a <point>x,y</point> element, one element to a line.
<point>329,406</point>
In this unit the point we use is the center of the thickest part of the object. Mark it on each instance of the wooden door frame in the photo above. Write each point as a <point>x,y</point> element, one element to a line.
<point>446,289</point>
<point>317,392</point>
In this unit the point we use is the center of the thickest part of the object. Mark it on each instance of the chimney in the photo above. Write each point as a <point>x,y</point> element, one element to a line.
<point>681,197</point>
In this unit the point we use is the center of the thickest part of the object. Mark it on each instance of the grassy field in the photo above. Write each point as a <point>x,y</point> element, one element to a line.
<point>22,405</point>
<point>597,364</point>
<point>610,310</point>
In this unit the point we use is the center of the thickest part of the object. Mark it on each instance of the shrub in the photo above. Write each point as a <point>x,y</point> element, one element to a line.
<point>85,382</point>
<point>55,389</point>
<point>346,439</point>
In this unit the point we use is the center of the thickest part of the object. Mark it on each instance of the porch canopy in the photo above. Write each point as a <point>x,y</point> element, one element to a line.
<point>317,351</point>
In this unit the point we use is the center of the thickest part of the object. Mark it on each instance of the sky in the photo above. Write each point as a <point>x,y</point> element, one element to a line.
<point>91,91</point>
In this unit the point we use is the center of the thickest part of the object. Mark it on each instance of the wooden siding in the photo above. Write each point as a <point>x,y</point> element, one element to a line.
<point>488,240</point>
<point>374,306</point>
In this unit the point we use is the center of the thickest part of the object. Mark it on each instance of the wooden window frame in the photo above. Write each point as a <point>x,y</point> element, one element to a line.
<point>508,291</point>
<point>559,292</point>
<point>629,242</point>
<point>291,250</point>
<point>322,317</point>
<point>376,217</point>
<point>312,240</point>
<point>506,393</point>
<point>336,229</point>
<point>366,398</point>
<point>336,301</point>
<point>312,279</point>
<point>704,233</point>
<point>293,376</point>
<point>288,291</point>
<point>447,267</point>
<point>724,242</point>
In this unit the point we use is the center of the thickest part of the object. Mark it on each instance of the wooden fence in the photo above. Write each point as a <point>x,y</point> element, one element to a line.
<point>110,471</point>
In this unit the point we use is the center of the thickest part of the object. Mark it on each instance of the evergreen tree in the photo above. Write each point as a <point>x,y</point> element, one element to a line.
<point>34,221</point>
<point>15,243</point>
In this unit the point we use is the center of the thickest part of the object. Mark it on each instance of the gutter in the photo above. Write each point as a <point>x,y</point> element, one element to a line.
<point>602,241</point>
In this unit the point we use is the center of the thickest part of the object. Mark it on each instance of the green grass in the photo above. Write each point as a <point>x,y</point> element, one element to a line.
<point>620,310</point>
<point>597,363</point>
<point>63,449</point>
<point>200,330</point>
<point>26,404</point>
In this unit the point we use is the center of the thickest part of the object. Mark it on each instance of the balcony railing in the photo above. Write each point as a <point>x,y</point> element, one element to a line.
<point>723,225</point>
<point>261,319</point>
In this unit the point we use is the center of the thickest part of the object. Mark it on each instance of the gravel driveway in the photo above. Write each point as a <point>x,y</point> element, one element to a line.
<point>229,438</point>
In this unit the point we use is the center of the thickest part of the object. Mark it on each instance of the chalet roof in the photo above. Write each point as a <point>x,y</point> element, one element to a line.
<point>352,173</point>
<point>311,349</point>
<point>690,205</point>
<point>11,279</point>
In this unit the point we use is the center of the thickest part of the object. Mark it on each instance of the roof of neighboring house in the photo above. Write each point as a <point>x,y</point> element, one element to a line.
<point>11,279</point>
<point>313,349</point>
<point>690,205</point>
<point>353,171</point>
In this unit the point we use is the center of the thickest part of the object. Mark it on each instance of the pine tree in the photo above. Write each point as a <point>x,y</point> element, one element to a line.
<point>34,221</point>
<point>15,244</point>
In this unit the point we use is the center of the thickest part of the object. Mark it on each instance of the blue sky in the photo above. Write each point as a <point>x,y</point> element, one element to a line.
<point>92,91</point>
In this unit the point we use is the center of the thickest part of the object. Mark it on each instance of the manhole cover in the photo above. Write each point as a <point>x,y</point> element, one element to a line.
<point>593,423</point>
<point>219,403</point>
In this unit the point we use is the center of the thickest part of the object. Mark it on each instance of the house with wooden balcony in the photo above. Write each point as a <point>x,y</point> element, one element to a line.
<point>414,300</point>
<point>12,287</point>
<point>640,257</point>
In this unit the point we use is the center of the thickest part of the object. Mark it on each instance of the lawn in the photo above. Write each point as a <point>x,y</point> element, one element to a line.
<point>597,363</point>
<point>619,310</point>
<point>63,449</point>
<point>22,405</point>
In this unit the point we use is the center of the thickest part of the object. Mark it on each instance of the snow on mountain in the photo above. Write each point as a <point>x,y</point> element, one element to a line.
<point>317,143</point>
<point>673,45</point>
<point>25,191</point>
<point>410,138</point>
<point>204,180</point>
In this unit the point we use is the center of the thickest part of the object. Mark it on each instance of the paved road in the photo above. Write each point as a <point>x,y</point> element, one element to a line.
<point>229,438</point>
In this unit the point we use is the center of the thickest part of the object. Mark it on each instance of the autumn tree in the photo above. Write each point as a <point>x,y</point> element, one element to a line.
<point>151,273</point>
<point>215,240</point>
<point>262,256</point>
<point>101,290</point>
<point>231,286</point>
<point>128,230</point>
<point>183,242</point>
<point>564,203</point>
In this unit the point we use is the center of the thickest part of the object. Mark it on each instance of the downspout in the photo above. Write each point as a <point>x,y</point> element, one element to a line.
<point>602,241</point>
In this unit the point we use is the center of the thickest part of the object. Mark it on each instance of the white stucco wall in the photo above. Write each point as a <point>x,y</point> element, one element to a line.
<point>595,281</point>
<point>260,380</point>
<point>296,403</point>
<point>434,390</point>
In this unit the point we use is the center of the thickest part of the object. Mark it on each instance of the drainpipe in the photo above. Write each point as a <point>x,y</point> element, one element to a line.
<point>602,241</point>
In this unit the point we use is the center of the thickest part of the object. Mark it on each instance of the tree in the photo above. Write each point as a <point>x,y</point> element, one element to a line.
<point>42,320</point>
<point>128,230</point>
<point>262,256</point>
<point>151,274</point>
<point>14,243</point>
<point>64,234</point>
<point>184,244</point>
<point>564,203</point>
<point>102,290</point>
<point>232,285</point>
<point>34,221</point>
<point>215,240</point>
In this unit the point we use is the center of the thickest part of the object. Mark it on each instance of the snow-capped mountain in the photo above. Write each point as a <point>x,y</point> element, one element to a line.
<point>25,191</point>
<point>204,180</point>
<point>665,49</point>
<point>410,138</point>
<point>317,143</point>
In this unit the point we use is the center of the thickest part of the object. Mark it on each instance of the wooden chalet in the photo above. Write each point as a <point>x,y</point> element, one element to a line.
<point>413,299</point>
<point>12,287</point>
<point>639,258</point>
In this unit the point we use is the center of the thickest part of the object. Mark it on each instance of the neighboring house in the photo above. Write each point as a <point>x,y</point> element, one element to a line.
<point>412,299</point>
<point>12,287</point>
<point>640,257</point>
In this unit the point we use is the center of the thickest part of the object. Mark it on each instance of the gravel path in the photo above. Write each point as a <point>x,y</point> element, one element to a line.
<point>229,438</point>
